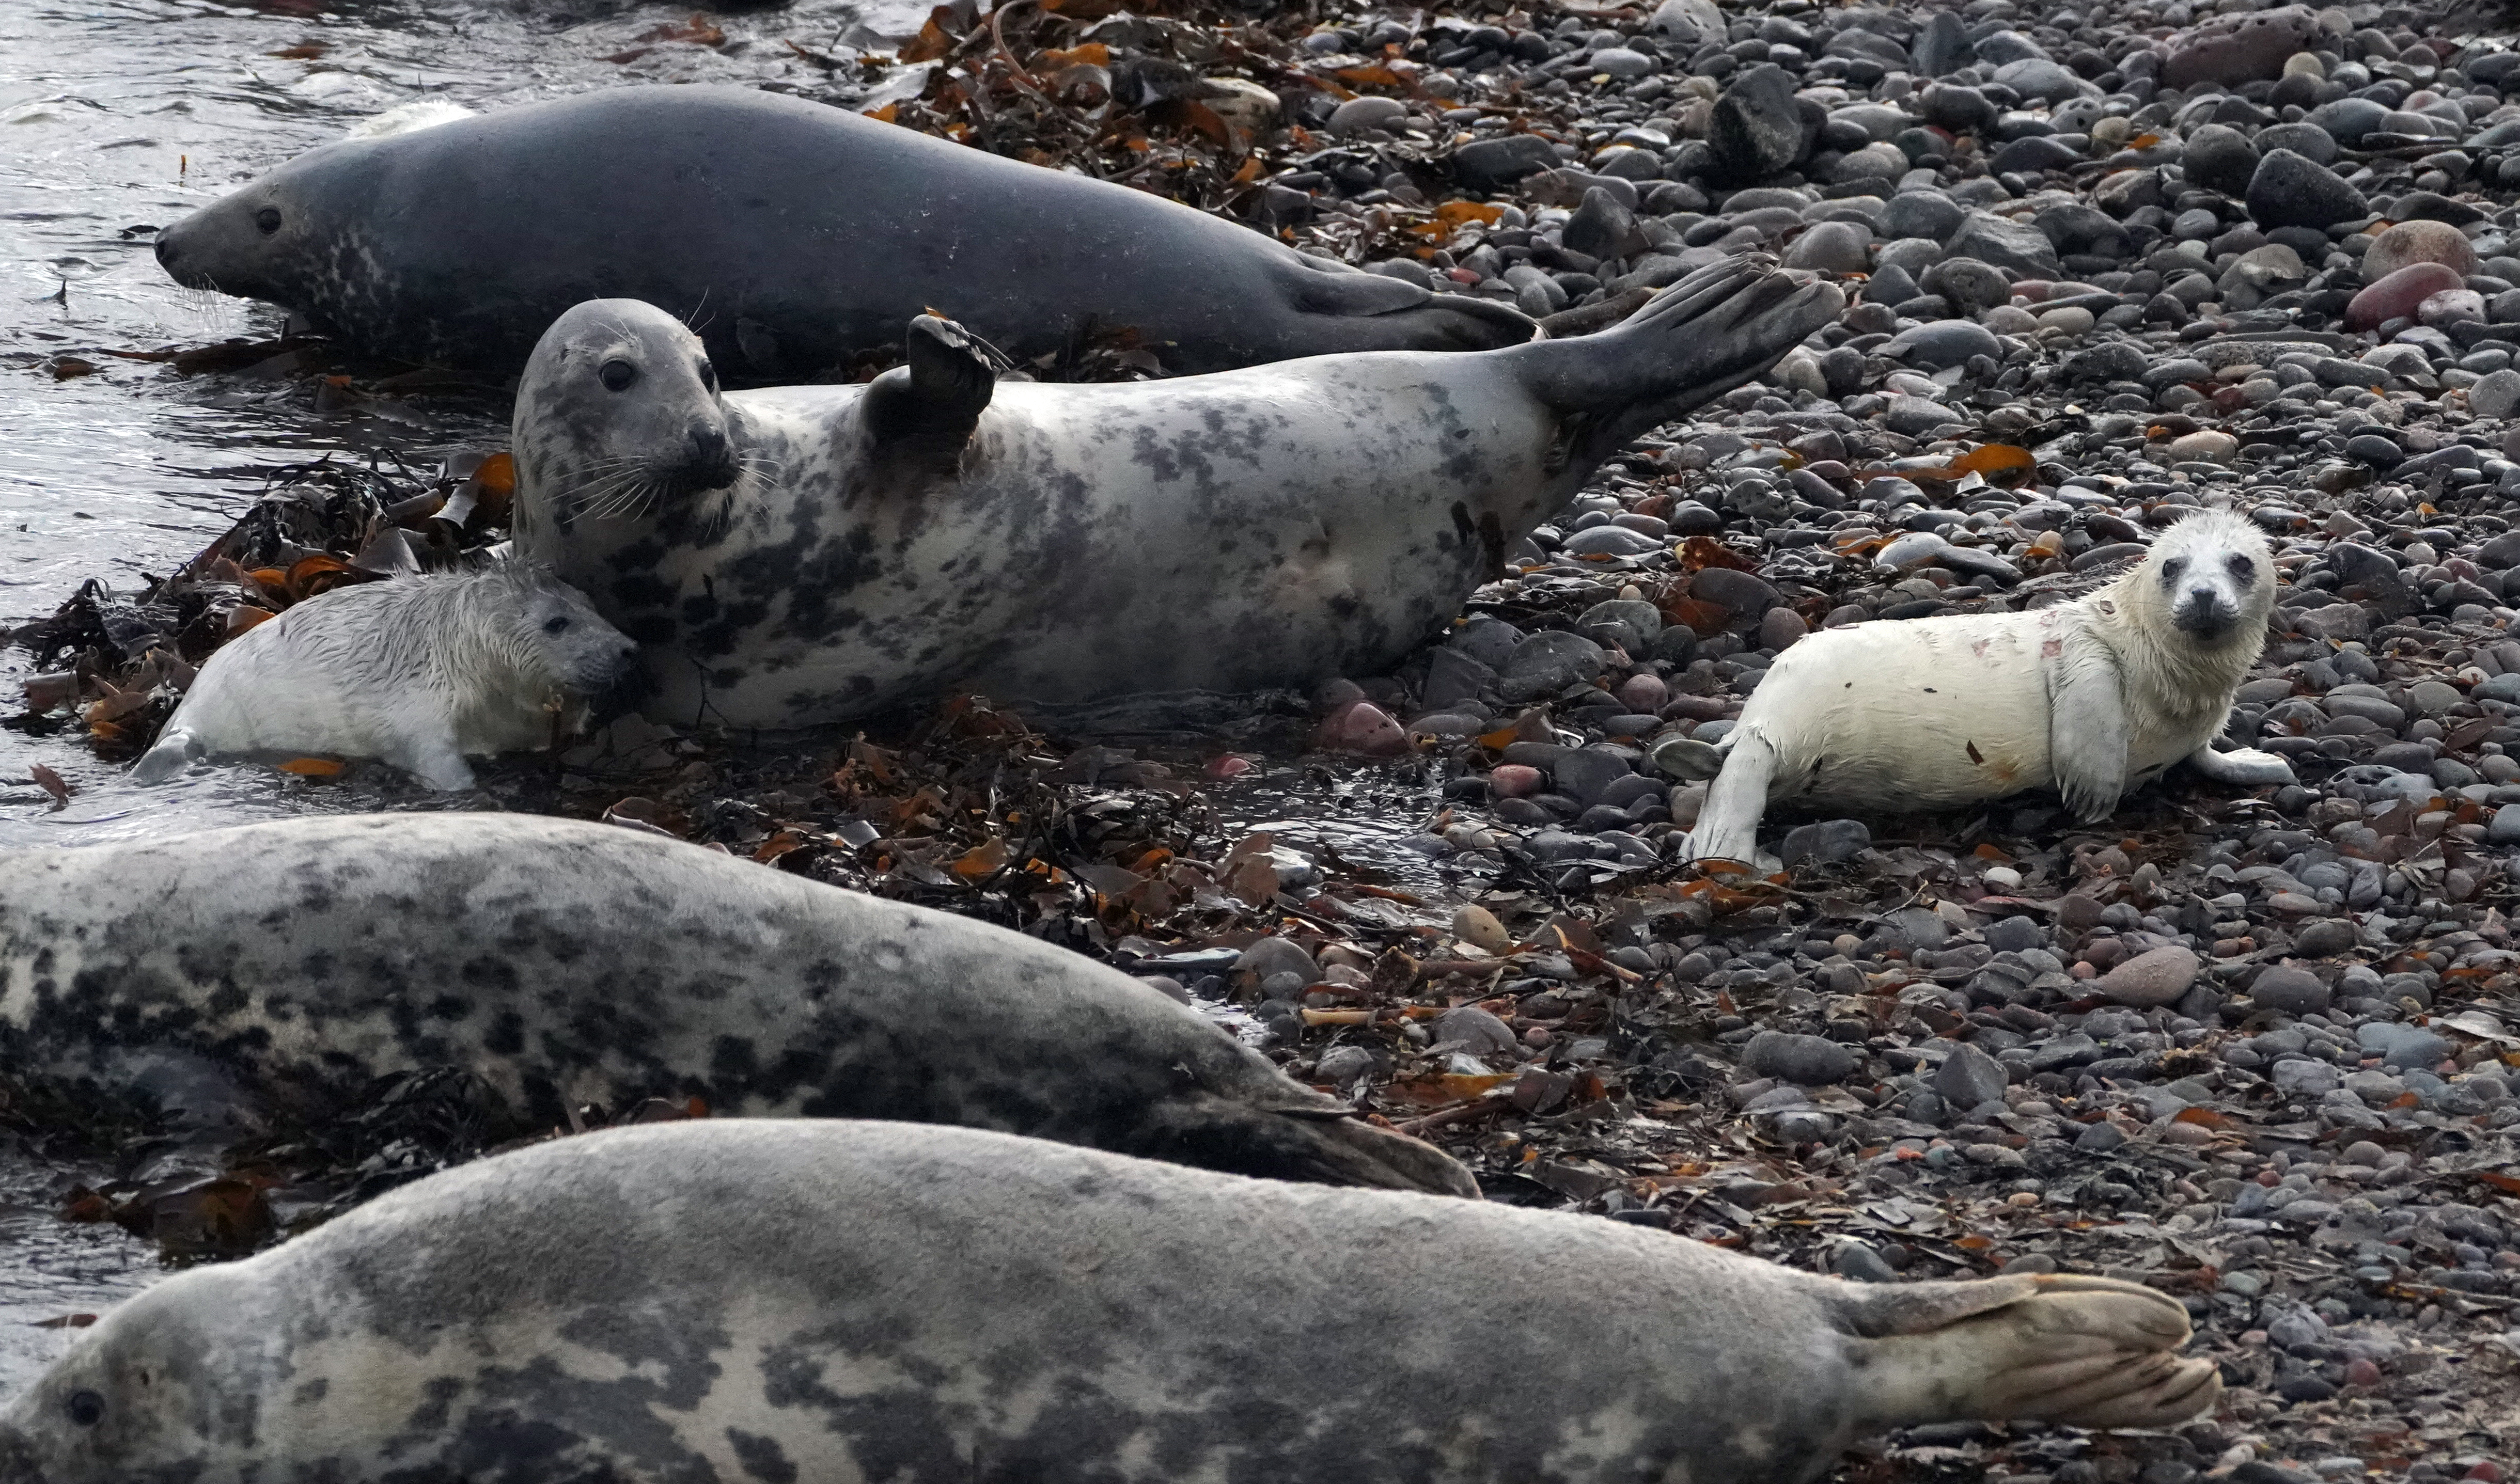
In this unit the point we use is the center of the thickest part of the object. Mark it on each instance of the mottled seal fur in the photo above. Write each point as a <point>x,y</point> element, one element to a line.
<point>2091,698</point>
<point>850,1302</point>
<point>792,233</point>
<point>420,671</point>
<point>814,554</point>
<point>566,963</point>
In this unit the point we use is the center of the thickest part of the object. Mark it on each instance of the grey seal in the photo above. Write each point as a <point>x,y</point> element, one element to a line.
<point>566,964</point>
<point>420,671</point>
<point>2092,697</point>
<point>846,1302</point>
<point>814,554</point>
<point>793,233</point>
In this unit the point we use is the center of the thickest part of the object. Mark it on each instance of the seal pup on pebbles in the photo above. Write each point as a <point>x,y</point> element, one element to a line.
<point>566,964</point>
<point>777,1300</point>
<point>420,671</point>
<point>814,554</point>
<point>2091,698</point>
<point>793,233</point>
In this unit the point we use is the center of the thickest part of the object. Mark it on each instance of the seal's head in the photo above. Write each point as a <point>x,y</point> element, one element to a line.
<point>161,1386</point>
<point>558,641</point>
<point>618,414</point>
<point>272,240</point>
<point>2211,578</point>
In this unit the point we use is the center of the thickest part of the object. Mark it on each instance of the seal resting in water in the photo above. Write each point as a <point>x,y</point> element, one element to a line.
<point>771,1300</point>
<point>565,963</point>
<point>420,671</point>
<point>814,554</point>
<point>2091,698</point>
<point>793,233</point>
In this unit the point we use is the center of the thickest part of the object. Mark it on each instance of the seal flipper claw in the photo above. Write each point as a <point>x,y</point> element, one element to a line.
<point>2092,1352</point>
<point>928,408</point>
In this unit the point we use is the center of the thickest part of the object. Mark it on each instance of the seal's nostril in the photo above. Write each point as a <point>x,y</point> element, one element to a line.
<point>708,442</point>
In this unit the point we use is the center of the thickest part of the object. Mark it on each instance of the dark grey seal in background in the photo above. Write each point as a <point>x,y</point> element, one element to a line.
<point>790,233</point>
<point>566,962</point>
<point>814,554</point>
<point>835,1302</point>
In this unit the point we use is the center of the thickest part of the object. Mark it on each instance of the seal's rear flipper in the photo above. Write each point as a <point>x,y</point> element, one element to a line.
<point>927,409</point>
<point>2092,1352</point>
<point>175,747</point>
<point>1319,1144</point>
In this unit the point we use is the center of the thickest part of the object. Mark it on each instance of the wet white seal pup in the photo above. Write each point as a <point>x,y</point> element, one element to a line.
<point>566,963</point>
<point>812,554</point>
<point>792,233</point>
<point>420,671</point>
<point>786,1300</point>
<point>2091,698</point>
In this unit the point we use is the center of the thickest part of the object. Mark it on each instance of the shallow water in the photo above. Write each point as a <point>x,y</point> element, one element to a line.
<point>120,117</point>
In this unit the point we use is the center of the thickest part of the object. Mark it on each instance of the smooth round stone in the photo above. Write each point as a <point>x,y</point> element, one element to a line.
<point>2374,449</point>
<point>2420,241</point>
<point>2307,139</point>
<point>1927,214</point>
<point>1358,115</point>
<point>1779,628</point>
<point>1969,283</point>
<point>2220,158</point>
<point>2450,307</point>
<point>1643,692</point>
<point>1945,343</point>
<point>2399,295</point>
<point>2010,319</point>
<point>1833,247</point>
<point>1621,63</point>
<point>2204,447</point>
<point>2495,395</point>
<point>1477,927</point>
<point>2293,991</point>
<point>2069,320</point>
<point>2304,64</point>
<point>1514,781</point>
<point>1807,1060</point>
<point>2158,977</point>
<point>2289,190</point>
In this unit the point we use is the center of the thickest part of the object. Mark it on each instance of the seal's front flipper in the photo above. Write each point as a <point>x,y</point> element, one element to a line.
<point>2092,1352</point>
<point>1394,314</point>
<point>1727,827</point>
<point>927,409</point>
<point>1317,1144</point>
<point>2087,730</point>
<point>175,747</point>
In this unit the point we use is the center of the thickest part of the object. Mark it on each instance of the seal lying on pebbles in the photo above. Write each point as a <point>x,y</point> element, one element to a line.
<point>779,1300</point>
<point>797,234</point>
<point>2091,698</point>
<point>420,671</point>
<point>566,964</point>
<point>1066,544</point>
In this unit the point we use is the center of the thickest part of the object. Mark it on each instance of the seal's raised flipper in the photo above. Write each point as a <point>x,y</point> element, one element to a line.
<point>926,409</point>
<point>1394,314</point>
<point>1698,340</point>
<point>175,747</point>
<point>2092,1352</point>
<point>1314,1142</point>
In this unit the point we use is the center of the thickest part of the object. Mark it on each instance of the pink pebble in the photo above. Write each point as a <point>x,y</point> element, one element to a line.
<point>2485,1471</point>
<point>1228,766</point>
<point>2032,290</point>
<point>1363,727</point>
<point>1643,693</point>
<point>2361,1372</point>
<point>1514,781</point>
<point>2398,296</point>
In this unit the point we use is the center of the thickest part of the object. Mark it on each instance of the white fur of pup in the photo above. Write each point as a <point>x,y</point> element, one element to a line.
<point>2090,698</point>
<point>408,118</point>
<point>419,672</point>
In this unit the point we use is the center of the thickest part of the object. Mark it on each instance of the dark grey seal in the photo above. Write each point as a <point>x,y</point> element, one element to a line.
<point>566,963</point>
<point>761,1300</point>
<point>814,554</point>
<point>791,232</point>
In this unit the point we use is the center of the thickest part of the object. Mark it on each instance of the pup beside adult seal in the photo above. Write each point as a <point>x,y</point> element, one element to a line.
<point>776,1301</point>
<point>814,554</point>
<point>2091,698</point>
<point>566,963</point>
<point>420,671</point>
<point>791,232</point>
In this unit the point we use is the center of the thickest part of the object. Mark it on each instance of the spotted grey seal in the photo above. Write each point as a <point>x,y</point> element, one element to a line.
<point>566,964</point>
<point>811,554</point>
<point>787,1301</point>
<point>420,671</point>
<point>2091,698</point>
<point>792,233</point>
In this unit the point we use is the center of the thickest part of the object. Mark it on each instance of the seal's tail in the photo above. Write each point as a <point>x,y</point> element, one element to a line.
<point>2092,1352</point>
<point>1693,341</point>
<point>1318,1145</point>
<point>175,747</point>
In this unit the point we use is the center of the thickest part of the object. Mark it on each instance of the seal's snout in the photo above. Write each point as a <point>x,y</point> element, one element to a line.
<point>2205,613</point>
<point>709,460</point>
<point>18,1461</point>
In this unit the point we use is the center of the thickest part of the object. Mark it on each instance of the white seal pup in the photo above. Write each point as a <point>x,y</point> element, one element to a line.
<point>566,964</point>
<point>814,554</point>
<point>420,671</point>
<point>797,1301</point>
<point>2091,698</point>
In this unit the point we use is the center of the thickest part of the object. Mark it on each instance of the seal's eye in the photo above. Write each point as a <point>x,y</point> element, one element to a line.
<point>2242,568</point>
<point>618,375</point>
<point>86,1408</point>
<point>268,219</point>
<point>2171,569</point>
<point>708,375</point>
<point>558,623</point>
